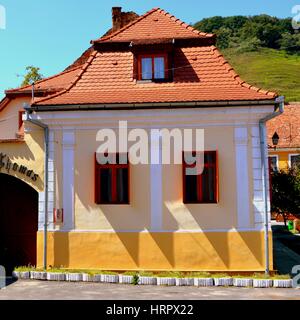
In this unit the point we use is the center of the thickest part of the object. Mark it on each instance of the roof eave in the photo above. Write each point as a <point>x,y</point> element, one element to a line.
<point>151,105</point>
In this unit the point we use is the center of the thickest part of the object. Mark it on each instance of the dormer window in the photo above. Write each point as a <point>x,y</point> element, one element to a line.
<point>152,67</point>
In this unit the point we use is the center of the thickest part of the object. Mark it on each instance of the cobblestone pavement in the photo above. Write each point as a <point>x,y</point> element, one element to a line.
<point>38,290</point>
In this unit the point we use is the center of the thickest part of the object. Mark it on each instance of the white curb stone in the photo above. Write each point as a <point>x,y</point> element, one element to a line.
<point>147,281</point>
<point>203,282</point>
<point>262,283</point>
<point>125,279</point>
<point>16,274</point>
<point>223,282</point>
<point>108,278</point>
<point>282,283</point>
<point>52,276</point>
<point>74,277</point>
<point>166,281</point>
<point>25,275</point>
<point>97,278</point>
<point>38,275</point>
<point>184,281</point>
<point>87,277</point>
<point>242,282</point>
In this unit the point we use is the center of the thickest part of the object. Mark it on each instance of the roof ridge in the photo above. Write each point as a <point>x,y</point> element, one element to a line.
<point>83,69</point>
<point>237,77</point>
<point>184,24</point>
<point>162,11</point>
<point>42,80</point>
<point>127,26</point>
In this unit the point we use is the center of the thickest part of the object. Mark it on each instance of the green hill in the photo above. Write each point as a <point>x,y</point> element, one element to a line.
<point>264,50</point>
<point>269,69</point>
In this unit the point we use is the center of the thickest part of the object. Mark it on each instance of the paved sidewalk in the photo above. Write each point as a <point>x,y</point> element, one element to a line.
<point>40,290</point>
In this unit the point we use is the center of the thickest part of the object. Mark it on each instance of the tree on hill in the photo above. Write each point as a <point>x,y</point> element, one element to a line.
<point>33,75</point>
<point>250,32</point>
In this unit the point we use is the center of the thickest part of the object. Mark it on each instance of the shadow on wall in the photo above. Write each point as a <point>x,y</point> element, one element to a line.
<point>184,69</point>
<point>29,155</point>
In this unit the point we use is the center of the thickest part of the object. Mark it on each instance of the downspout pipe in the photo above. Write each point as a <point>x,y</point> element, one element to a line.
<point>264,165</point>
<point>46,188</point>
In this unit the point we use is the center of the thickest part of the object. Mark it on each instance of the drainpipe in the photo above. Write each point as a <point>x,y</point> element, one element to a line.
<point>46,146</point>
<point>263,148</point>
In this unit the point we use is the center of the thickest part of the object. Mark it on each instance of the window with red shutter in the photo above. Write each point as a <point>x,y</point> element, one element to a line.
<point>201,188</point>
<point>153,67</point>
<point>112,182</point>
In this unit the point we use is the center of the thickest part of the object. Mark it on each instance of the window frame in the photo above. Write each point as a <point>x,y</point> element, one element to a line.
<point>152,56</point>
<point>199,181</point>
<point>290,158</point>
<point>277,162</point>
<point>114,168</point>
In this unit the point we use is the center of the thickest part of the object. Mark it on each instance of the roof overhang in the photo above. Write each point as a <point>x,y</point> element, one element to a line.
<point>176,42</point>
<point>160,105</point>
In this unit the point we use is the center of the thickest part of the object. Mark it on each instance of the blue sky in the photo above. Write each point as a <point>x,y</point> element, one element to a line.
<point>51,34</point>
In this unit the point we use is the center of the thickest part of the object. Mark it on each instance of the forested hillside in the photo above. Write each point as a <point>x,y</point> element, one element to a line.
<point>264,50</point>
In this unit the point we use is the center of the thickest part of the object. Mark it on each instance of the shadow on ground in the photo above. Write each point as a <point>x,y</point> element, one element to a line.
<point>286,249</point>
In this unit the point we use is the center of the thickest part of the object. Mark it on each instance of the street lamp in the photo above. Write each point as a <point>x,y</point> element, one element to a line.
<point>275,139</point>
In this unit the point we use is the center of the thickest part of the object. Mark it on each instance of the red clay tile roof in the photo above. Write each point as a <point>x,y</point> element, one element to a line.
<point>44,87</point>
<point>200,74</point>
<point>156,23</point>
<point>287,126</point>
<point>52,84</point>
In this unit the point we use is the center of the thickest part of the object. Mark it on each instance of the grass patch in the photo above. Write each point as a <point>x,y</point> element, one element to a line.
<point>130,273</point>
<point>25,269</point>
<point>220,275</point>
<point>146,274</point>
<point>281,277</point>
<point>269,69</point>
<point>174,274</point>
<point>198,275</point>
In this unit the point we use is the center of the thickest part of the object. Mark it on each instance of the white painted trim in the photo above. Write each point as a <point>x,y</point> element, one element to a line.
<point>258,195</point>
<point>51,189</point>
<point>68,179</point>
<point>242,177</point>
<point>156,189</point>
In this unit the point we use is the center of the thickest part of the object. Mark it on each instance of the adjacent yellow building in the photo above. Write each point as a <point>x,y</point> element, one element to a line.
<point>284,138</point>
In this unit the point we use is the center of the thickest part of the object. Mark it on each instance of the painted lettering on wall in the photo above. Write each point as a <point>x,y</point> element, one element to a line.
<point>12,167</point>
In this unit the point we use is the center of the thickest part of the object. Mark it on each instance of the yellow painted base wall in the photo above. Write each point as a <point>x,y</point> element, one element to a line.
<point>213,251</point>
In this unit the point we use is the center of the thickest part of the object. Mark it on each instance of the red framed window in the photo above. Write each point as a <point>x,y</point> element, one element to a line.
<point>112,182</point>
<point>153,67</point>
<point>201,188</point>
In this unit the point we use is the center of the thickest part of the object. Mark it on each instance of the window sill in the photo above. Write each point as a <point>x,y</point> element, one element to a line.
<point>113,204</point>
<point>153,81</point>
<point>210,202</point>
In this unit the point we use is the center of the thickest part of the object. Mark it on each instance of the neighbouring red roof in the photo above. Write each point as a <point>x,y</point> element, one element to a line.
<point>200,72</point>
<point>43,87</point>
<point>287,126</point>
<point>55,83</point>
